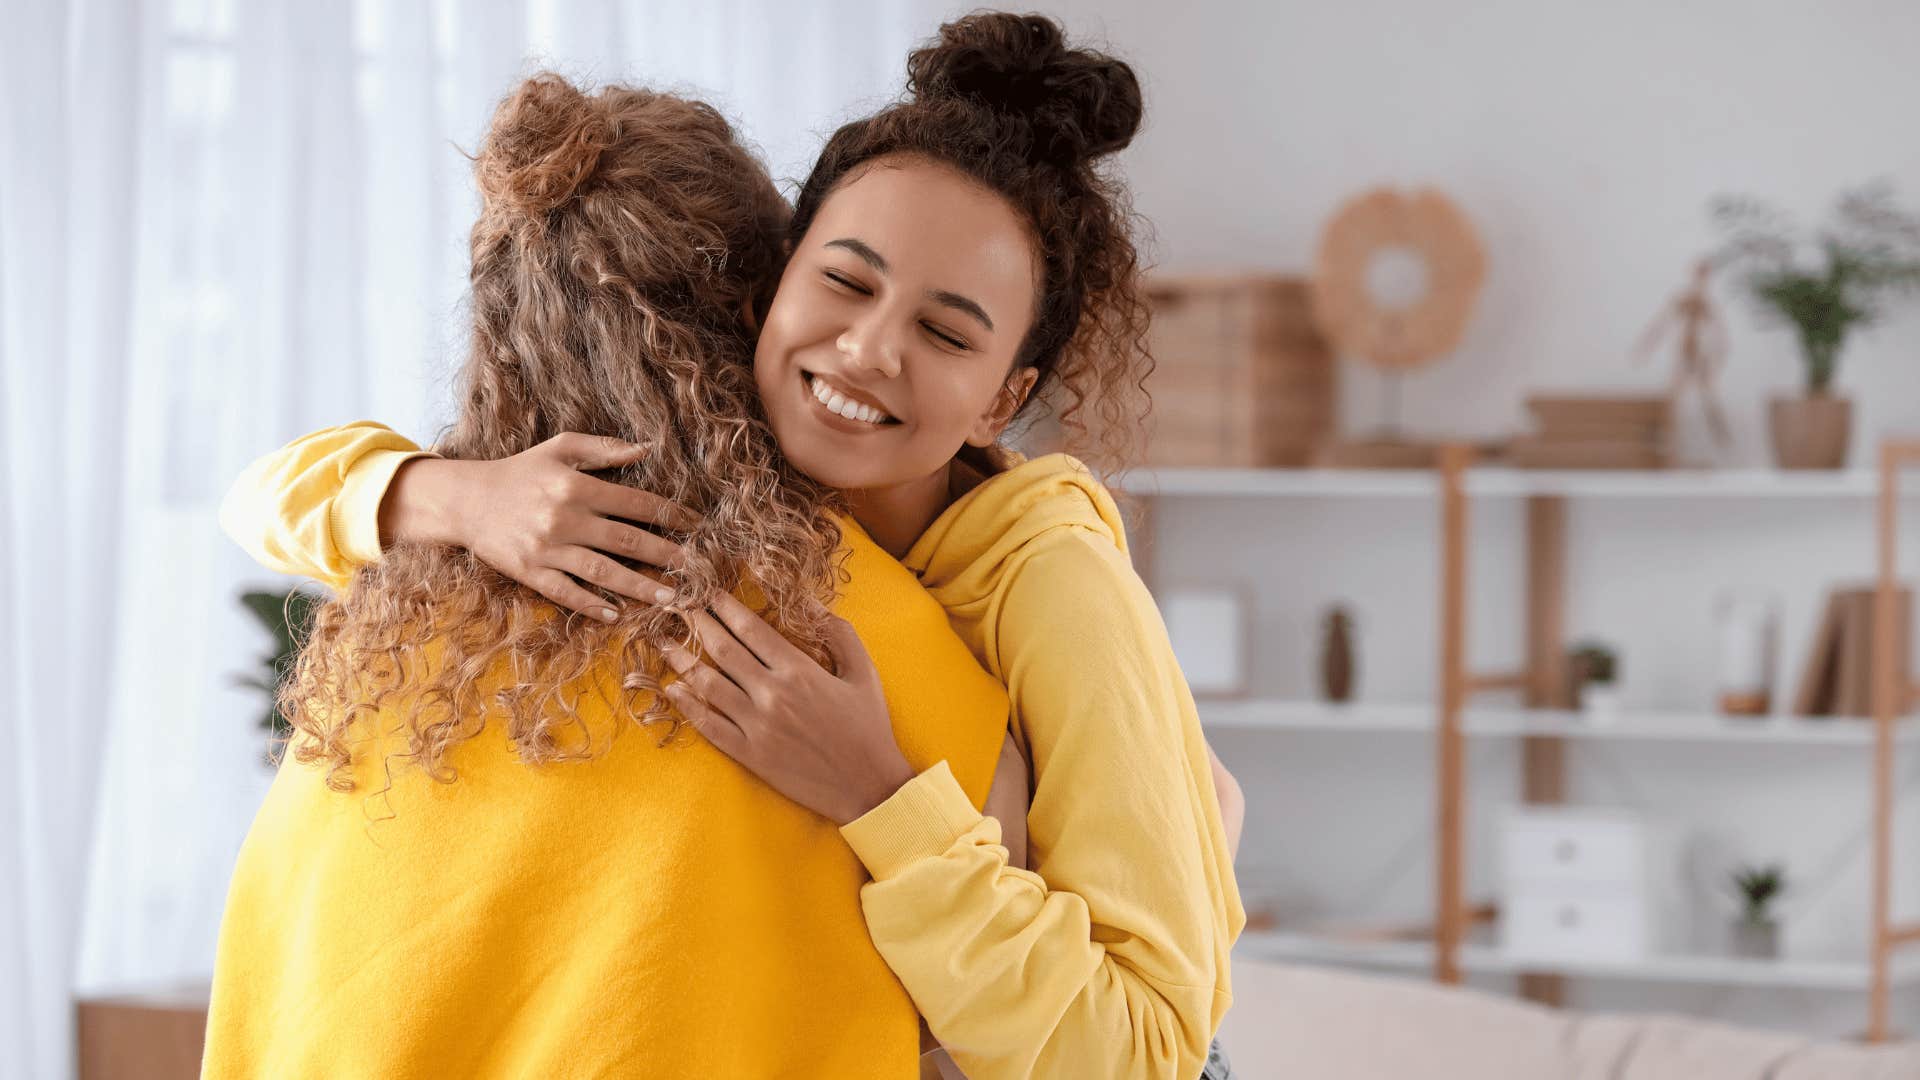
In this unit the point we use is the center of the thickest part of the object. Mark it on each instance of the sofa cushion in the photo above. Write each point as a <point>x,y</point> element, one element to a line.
<point>1833,1061</point>
<point>1293,1020</point>
<point>1298,1021</point>
<point>1668,1047</point>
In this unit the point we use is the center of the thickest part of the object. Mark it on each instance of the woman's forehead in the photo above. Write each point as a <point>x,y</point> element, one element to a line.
<point>932,226</point>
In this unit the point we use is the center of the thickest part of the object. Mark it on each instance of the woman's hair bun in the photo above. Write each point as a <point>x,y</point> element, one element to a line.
<point>545,142</point>
<point>1079,104</point>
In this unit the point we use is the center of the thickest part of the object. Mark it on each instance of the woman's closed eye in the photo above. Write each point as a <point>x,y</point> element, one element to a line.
<point>945,338</point>
<point>841,281</point>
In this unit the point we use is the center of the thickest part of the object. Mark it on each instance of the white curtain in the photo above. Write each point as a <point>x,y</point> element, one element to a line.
<point>222,223</point>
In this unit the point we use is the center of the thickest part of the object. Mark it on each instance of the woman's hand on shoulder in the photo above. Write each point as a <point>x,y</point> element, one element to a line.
<point>823,740</point>
<point>538,518</point>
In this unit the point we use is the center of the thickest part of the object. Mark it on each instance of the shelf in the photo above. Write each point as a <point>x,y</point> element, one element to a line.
<point>1491,959</point>
<point>1508,482</point>
<point>1483,722</point>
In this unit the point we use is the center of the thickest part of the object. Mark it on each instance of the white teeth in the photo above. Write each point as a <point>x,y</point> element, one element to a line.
<point>839,403</point>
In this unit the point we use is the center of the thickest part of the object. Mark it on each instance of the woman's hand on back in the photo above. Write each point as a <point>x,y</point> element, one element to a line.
<point>823,740</point>
<point>539,519</point>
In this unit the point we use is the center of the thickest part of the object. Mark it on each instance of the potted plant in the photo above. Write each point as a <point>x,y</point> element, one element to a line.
<point>1593,676</point>
<point>286,616</point>
<point>1870,252</point>
<point>1756,934</point>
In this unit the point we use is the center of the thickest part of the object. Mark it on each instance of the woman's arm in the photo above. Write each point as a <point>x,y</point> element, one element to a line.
<point>1111,959</point>
<point>328,503</point>
<point>311,508</point>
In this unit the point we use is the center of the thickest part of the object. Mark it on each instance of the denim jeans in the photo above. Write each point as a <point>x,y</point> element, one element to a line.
<point>1218,1067</point>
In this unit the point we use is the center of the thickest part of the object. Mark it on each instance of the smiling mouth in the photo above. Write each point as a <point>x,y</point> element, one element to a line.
<point>840,405</point>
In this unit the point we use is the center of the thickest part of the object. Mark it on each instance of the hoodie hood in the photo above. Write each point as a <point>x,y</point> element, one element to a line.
<point>970,551</point>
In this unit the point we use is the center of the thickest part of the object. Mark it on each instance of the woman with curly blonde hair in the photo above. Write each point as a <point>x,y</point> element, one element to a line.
<point>476,908</point>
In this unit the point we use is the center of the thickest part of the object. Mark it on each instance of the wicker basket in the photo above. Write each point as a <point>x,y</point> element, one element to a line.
<point>1242,377</point>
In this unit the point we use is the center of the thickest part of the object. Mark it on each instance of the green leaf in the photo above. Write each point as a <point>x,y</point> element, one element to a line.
<point>287,616</point>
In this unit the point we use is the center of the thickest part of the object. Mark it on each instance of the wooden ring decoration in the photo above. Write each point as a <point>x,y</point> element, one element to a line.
<point>1397,325</point>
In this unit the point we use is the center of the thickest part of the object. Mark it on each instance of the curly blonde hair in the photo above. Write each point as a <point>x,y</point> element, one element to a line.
<point>623,237</point>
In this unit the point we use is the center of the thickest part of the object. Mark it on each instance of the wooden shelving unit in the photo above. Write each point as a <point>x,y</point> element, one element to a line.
<point>1544,728</point>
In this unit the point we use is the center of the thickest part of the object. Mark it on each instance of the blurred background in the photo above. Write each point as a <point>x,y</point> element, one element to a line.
<point>225,223</point>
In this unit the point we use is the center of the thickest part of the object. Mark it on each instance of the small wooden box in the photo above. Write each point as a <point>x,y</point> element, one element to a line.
<point>1596,432</point>
<point>1242,377</point>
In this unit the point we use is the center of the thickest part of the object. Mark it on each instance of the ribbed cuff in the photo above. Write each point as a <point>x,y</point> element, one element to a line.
<point>922,819</point>
<point>356,510</point>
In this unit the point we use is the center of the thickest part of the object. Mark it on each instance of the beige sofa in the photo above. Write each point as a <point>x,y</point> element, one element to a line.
<point>1295,1021</point>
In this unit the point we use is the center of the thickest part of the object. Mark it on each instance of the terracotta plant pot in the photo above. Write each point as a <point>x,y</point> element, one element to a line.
<point>1810,432</point>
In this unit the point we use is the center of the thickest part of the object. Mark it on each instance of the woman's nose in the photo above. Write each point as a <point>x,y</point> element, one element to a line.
<point>870,347</point>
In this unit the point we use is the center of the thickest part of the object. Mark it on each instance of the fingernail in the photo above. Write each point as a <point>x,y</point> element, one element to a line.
<point>662,595</point>
<point>607,614</point>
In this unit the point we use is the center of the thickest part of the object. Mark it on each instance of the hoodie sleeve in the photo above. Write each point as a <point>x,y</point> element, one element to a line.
<point>312,507</point>
<point>1110,958</point>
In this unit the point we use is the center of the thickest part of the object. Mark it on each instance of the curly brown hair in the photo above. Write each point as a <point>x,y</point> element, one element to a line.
<point>623,236</point>
<point>1005,101</point>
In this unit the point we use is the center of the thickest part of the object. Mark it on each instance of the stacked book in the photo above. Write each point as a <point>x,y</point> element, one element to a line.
<point>1596,433</point>
<point>1838,677</point>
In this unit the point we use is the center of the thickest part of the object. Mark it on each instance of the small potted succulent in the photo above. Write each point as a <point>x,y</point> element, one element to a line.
<point>286,616</point>
<point>1868,254</point>
<point>1756,933</point>
<point>1593,671</point>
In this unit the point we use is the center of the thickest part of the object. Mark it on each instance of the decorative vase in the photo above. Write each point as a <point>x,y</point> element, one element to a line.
<point>1747,631</point>
<point>1810,432</point>
<point>1336,656</point>
<point>1756,939</point>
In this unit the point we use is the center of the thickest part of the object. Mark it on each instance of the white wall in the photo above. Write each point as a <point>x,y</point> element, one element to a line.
<point>1584,141</point>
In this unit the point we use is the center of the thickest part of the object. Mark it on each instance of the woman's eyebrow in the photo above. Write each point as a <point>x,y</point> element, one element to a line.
<point>939,296</point>
<point>859,247</point>
<point>961,303</point>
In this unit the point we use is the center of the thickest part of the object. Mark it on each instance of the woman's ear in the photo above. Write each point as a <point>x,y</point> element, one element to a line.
<point>1013,394</point>
<point>749,316</point>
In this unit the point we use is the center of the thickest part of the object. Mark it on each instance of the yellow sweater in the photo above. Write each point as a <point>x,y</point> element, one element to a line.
<point>1111,958</point>
<point>655,912</point>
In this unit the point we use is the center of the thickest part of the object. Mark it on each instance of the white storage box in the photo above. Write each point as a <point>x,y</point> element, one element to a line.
<point>1577,883</point>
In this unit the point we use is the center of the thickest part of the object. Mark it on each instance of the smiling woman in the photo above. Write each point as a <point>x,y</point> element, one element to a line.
<point>890,303</point>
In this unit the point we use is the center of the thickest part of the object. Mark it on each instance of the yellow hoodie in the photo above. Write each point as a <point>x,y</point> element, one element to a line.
<point>1110,958</point>
<point>653,912</point>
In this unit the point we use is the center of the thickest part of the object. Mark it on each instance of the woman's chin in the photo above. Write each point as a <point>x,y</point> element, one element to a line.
<point>842,471</point>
